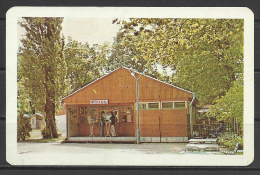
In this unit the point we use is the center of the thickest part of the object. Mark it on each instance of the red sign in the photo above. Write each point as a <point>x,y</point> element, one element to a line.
<point>98,101</point>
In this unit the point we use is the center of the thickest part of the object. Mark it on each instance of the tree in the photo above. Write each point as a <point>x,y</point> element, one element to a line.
<point>84,63</point>
<point>129,57</point>
<point>204,54</point>
<point>229,108</point>
<point>23,123</point>
<point>23,127</point>
<point>42,67</point>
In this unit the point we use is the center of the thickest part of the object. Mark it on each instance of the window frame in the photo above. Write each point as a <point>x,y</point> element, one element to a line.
<point>180,102</point>
<point>125,115</point>
<point>167,102</point>
<point>147,105</point>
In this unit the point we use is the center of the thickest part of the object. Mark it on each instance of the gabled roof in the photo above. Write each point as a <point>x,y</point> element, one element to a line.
<point>129,70</point>
<point>30,115</point>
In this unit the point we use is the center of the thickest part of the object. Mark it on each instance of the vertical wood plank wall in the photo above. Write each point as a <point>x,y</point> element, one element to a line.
<point>120,87</point>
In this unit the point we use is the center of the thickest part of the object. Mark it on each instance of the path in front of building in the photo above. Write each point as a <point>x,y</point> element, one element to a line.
<point>85,148</point>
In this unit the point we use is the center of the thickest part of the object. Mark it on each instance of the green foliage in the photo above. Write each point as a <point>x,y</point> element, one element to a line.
<point>204,54</point>
<point>46,133</point>
<point>230,141</point>
<point>23,127</point>
<point>230,107</point>
<point>128,56</point>
<point>41,66</point>
<point>84,63</point>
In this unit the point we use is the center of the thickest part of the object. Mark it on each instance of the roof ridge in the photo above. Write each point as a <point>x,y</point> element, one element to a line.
<point>91,83</point>
<point>129,70</point>
<point>160,81</point>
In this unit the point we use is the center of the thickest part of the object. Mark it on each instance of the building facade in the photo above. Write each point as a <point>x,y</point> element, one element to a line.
<point>163,108</point>
<point>37,121</point>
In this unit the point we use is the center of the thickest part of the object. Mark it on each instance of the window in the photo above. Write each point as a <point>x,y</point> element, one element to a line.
<point>81,110</point>
<point>167,105</point>
<point>153,106</point>
<point>142,106</point>
<point>87,114</point>
<point>107,110</point>
<point>93,110</point>
<point>179,105</point>
<point>126,113</point>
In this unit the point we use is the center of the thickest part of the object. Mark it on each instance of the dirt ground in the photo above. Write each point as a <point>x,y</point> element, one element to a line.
<point>144,148</point>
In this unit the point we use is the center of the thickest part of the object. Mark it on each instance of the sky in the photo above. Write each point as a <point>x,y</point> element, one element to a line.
<point>91,30</point>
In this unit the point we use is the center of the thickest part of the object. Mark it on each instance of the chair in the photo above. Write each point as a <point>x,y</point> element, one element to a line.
<point>231,152</point>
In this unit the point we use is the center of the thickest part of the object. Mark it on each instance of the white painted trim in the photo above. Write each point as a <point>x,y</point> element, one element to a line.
<point>153,102</point>
<point>167,102</point>
<point>164,139</point>
<point>147,106</point>
<point>180,101</point>
<point>173,104</point>
<point>160,81</point>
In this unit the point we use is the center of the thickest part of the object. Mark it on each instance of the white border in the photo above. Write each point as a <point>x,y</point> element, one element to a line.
<point>120,159</point>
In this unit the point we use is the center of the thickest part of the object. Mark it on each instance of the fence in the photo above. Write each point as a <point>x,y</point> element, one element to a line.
<point>204,131</point>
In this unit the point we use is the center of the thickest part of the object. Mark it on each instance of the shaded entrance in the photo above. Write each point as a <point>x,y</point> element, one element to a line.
<point>90,120</point>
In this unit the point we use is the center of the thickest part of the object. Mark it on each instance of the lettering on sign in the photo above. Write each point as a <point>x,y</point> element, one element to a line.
<point>98,101</point>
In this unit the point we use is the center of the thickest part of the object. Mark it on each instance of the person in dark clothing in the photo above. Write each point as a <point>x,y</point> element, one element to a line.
<point>102,123</point>
<point>113,121</point>
<point>221,128</point>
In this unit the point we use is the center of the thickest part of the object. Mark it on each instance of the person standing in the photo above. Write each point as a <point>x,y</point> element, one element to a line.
<point>102,123</point>
<point>113,121</point>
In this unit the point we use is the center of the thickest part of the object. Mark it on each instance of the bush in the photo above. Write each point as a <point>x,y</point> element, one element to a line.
<point>23,127</point>
<point>230,141</point>
<point>46,132</point>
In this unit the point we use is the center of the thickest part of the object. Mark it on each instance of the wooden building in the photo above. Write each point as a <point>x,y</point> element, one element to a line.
<point>36,120</point>
<point>163,108</point>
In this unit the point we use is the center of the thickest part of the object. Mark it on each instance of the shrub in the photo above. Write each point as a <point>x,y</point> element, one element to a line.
<point>23,127</point>
<point>230,141</point>
<point>46,132</point>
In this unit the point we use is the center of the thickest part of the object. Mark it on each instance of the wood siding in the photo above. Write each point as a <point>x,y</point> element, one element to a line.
<point>163,123</point>
<point>119,87</point>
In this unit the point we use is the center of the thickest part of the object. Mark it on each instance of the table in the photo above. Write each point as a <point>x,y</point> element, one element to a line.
<point>203,141</point>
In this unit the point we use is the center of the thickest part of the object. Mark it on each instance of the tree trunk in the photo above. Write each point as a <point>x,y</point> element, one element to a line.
<point>50,116</point>
<point>50,103</point>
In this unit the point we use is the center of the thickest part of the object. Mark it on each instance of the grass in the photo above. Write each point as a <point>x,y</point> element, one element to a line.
<point>239,153</point>
<point>43,140</point>
<point>36,137</point>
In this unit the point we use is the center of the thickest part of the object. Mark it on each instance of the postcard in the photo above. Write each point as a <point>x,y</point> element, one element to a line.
<point>130,86</point>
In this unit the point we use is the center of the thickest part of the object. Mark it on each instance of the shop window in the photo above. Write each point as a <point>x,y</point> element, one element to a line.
<point>167,105</point>
<point>88,114</point>
<point>91,119</point>
<point>81,110</point>
<point>87,110</point>
<point>93,110</point>
<point>153,106</point>
<point>179,105</point>
<point>107,110</point>
<point>126,113</point>
<point>142,106</point>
